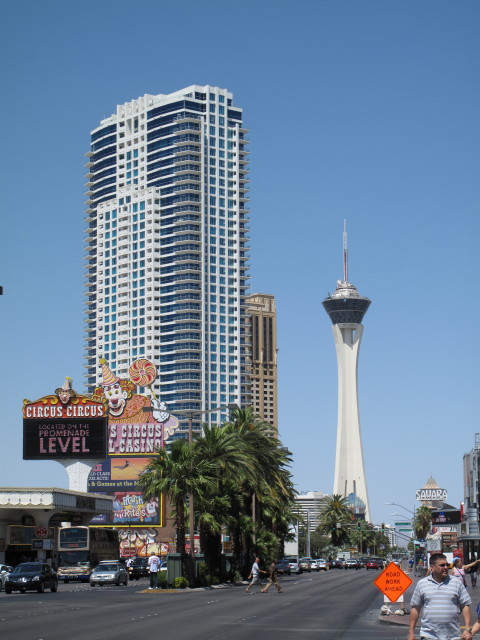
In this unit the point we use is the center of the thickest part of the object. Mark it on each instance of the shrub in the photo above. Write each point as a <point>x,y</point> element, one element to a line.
<point>180,582</point>
<point>202,579</point>
<point>162,579</point>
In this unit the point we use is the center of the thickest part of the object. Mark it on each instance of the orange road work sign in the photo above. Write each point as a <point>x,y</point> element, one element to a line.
<point>392,582</point>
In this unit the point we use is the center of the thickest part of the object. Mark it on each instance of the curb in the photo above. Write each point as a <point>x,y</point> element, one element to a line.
<point>395,621</point>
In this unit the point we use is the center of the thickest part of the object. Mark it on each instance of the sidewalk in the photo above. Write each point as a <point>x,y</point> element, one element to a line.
<point>396,620</point>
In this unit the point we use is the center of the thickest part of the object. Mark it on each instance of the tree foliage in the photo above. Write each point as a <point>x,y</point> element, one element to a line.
<point>423,522</point>
<point>335,519</point>
<point>339,526</point>
<point>239,476</point>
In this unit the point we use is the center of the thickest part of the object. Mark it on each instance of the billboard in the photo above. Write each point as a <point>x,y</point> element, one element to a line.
<point>64,425</point>
<point>138,426</point>
<point>450,516</point>
<point>118,477</point>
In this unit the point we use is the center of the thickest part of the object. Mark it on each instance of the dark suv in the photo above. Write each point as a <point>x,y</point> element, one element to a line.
<point>31,576</point>
<point>138,568</point>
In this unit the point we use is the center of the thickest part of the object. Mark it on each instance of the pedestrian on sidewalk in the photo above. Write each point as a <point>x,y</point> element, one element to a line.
<point>473,575</point>
<point>458,570</point>
<point>153,567</point>
<point>255,576</point>
<point>273,578</point>
<point>441,596</point>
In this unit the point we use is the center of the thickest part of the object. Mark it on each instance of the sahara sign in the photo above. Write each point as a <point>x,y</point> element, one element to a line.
<point>392,582</point>
<point>64,425</point>
<point>431,494</point>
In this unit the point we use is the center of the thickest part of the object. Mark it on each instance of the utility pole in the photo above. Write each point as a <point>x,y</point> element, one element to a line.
<point>308,534</point>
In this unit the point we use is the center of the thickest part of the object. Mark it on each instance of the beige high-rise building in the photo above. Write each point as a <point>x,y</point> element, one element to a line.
<point>263,323</point>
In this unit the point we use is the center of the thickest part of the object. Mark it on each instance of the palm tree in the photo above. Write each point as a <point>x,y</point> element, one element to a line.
<point>336,513</point>
<point>264,490</point>
<point>422,522</point>
<point>229,462</point>
<point>176,473</point>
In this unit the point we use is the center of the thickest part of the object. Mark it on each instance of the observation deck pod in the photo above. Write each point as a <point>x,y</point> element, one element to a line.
<point>346,306</point>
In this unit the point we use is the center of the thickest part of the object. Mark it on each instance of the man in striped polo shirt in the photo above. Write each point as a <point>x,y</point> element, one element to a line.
<point>441,597</point>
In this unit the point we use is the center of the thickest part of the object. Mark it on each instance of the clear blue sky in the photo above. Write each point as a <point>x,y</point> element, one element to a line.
<point>367,111</point>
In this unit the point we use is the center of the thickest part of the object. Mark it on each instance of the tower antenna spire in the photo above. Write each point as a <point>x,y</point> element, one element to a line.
<point>345,252</point>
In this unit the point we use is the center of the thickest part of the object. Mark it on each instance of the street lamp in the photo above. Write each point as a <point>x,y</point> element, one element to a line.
<point>413,531</point>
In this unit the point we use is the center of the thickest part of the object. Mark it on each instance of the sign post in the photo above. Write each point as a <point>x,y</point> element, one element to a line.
<point>393,582</point>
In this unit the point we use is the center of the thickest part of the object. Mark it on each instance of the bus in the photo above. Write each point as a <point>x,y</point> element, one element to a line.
<point>80,549</point>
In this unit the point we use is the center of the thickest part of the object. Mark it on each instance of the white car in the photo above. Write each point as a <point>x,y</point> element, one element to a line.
<point>314,565</point>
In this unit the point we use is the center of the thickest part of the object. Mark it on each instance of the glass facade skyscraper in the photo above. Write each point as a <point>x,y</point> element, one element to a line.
<point>167,247</point>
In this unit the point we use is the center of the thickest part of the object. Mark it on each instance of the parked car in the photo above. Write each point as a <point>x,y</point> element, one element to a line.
<point>314,565</point>
<point>109,573</point>
<point>382,563</point>
<point>5,569</point>
<point>294,567</point>
<point>305,564</point>
<point>138,568</point>
<point>351,564</point>
<point>338,564</point>
<point>293,564</point>
<point>371,564</point>
<point>31,576</point>
<point>283,567</point>
<point>322,564</point>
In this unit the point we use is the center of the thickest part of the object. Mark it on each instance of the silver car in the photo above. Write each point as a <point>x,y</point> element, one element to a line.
<point>322,564</point>
<point>5,569</point>
<point>109,573</point>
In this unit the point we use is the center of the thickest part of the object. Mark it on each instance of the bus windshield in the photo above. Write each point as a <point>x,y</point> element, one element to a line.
<point>73,538</point>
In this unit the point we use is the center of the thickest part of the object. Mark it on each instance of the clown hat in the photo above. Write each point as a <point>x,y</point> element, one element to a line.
<point>107,375</point>
<point>66,388</point>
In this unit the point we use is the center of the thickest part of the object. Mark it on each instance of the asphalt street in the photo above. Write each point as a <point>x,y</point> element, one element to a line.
<point>337,604</point>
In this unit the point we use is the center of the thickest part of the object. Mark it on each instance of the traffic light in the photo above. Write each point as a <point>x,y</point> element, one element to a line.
<point>383,527</point>
<point>359,526</point>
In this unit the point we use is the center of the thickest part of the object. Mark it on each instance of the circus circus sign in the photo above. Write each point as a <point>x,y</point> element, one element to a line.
<point>135,438</point>
<point>428,494</point>
<point>136,423</point>
<point>64,425</point>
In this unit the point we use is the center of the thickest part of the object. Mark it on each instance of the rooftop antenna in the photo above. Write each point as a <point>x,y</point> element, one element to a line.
<point>345,252</point>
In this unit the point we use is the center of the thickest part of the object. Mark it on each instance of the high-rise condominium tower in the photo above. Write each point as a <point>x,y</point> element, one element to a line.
<point>263,329</point>
<point>346,309</point>
<point>166,247</point>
